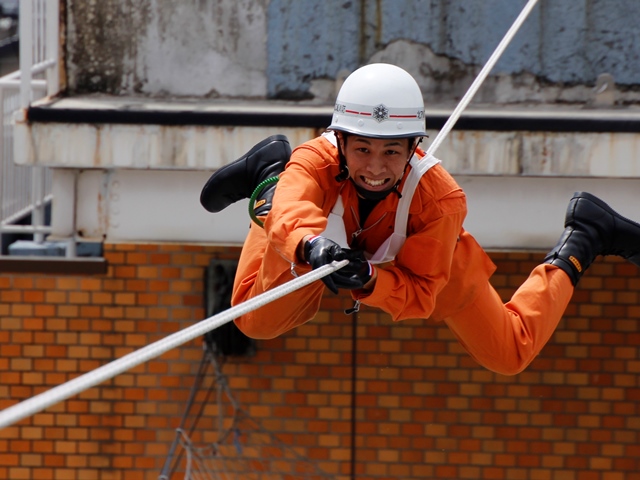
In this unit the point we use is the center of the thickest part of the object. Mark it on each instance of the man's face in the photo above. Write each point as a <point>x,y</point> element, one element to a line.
<point>376,164</point>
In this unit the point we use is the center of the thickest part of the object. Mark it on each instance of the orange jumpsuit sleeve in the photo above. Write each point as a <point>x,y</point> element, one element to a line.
<point>305,194</point>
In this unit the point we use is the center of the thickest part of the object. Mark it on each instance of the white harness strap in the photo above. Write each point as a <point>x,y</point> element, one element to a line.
<point>335,225</point>
<point>391,246</point>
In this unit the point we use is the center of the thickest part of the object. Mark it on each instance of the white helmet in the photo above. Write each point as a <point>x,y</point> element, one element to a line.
<point>381,101</point>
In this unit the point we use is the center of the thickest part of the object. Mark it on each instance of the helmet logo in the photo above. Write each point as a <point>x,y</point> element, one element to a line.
<point>380,113</point>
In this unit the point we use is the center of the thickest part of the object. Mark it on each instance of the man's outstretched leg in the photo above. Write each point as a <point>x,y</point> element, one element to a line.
<point>506,338</point>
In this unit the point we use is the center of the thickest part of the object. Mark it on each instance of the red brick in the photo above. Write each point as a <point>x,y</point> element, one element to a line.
<point>416,373</point>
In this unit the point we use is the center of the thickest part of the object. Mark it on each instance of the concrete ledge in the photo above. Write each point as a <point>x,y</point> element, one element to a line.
<point>265,113</point>
<point>52,265</point>
<point>147,134</point>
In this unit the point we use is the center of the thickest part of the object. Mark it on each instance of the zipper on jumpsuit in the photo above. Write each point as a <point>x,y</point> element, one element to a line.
<point>354,235</point>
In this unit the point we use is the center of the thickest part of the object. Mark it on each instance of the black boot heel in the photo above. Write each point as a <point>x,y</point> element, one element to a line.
<point>593,228</point>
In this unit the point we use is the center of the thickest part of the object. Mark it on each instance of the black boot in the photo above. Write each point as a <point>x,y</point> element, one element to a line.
<point>593,228</point>
<point>239,179</point>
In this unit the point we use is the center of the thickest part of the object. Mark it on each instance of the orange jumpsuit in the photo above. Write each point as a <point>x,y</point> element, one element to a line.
<point>440,272</point>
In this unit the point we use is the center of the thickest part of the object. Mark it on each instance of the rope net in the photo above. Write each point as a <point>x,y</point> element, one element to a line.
<point>249,453</point>
<point>239,449</point>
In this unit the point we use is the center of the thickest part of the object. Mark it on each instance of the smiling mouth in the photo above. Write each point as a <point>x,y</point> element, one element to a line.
<point>370,182</point>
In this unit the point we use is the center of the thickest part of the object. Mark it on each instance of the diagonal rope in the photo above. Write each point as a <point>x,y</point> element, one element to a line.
<point>43,400</point>
<point>473,89</point>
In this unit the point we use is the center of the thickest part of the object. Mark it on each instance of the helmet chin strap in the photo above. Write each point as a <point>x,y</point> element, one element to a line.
<point>344,170</point>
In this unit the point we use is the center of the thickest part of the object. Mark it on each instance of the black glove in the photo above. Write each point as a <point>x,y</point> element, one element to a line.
<point>356,273</point>
<point>319,251</point>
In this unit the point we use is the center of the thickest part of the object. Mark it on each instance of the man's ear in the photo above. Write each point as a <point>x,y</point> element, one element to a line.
<point>341,141</point>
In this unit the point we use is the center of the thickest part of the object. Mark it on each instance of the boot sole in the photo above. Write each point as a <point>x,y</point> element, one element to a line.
<point>256,147</point>
<point>216,201</point>
<point>635,259</point>
<point>262,144</point>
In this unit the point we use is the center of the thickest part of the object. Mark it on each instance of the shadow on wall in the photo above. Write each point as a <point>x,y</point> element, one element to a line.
<point>227,339</point>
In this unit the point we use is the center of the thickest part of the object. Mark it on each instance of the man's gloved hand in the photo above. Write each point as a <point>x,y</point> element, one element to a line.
<point>319,251</point>
<point>356,273</point>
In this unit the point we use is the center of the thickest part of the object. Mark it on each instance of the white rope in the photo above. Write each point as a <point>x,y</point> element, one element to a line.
<point>481,77</point>
<point>44,400</point>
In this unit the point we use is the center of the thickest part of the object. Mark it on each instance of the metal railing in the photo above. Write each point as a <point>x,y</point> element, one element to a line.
<point>25,190</point>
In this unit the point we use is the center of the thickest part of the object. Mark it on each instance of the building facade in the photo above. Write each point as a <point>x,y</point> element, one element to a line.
<point>156,95</point>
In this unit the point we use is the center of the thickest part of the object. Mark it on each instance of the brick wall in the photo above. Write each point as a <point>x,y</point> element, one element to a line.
<point>423,408</point>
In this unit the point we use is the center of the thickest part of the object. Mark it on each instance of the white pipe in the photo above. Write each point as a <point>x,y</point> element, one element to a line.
<point>53,37</point>
<point>30,229</point>
<point>481,77</point>
<point>13,79</point>
<point>15,84</point>
<point>79,384</point>
<point>26,51</point>
<point>44,65</point>
<point>37,194</point>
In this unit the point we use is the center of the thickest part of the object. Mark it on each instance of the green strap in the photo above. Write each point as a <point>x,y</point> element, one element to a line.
<point>261,186</point>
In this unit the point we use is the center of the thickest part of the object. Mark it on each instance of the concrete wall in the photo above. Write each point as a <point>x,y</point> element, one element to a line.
<point>154,47</point>
<point>295,49</point>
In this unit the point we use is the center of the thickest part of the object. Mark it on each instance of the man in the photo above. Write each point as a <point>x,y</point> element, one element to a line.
<point>365,191</point>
